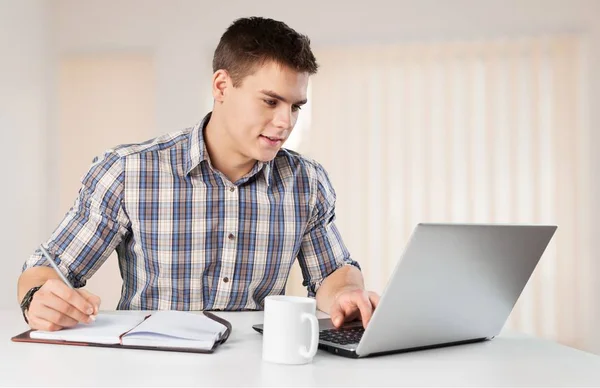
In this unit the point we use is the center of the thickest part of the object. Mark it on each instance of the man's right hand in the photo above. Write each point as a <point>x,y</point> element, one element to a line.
<point>56,306</point>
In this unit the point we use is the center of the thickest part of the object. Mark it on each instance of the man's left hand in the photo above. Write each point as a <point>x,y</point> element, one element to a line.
<point>349,305</point>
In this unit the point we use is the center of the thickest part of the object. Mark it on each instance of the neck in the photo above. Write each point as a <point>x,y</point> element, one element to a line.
<point>221,150</point>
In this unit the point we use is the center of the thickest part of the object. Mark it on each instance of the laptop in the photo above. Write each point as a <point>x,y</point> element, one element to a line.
<point>455,284</point>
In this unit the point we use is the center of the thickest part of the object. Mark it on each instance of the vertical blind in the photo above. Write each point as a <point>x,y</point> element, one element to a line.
<point>487,131</point>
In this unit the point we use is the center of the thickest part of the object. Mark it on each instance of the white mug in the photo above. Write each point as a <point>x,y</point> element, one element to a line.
<point>290,329</point>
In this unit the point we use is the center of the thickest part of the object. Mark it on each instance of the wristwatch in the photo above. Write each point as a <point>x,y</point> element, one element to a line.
<point>27,301</point>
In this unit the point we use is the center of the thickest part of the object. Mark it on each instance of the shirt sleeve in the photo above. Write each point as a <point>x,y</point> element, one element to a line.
<point>93,227</point>
<point>322,250</point>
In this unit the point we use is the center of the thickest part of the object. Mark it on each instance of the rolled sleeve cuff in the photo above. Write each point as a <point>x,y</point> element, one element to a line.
<point>38,260</point>
<point>313,286</point>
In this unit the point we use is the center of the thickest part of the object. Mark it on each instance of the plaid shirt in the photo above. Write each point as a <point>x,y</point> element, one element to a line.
<point>189,239</point>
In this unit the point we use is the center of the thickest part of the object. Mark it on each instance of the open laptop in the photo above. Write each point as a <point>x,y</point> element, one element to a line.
<point>454,284</point>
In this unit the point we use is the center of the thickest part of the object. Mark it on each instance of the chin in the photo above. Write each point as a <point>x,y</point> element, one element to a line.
<point>266,156</point>
<point>265,159</point>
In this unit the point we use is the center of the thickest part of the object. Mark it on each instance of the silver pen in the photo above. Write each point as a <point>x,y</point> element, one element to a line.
<point>53,264</point>
<point>49,258</point>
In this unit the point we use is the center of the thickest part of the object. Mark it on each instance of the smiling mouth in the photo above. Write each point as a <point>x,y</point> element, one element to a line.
<point>274,139</point>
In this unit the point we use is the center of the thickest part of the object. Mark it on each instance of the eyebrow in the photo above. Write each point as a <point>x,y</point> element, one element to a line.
<point>280,98</point>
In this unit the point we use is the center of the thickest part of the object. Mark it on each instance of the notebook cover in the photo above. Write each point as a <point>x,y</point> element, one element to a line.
<point>25,337</point>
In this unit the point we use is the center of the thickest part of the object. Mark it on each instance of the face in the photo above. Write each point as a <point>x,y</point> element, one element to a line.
<point>259,114</point>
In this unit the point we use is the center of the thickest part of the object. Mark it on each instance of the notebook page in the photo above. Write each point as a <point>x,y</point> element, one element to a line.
<point>178,325</point>
<point>162,341</point>
<point>105,330</point>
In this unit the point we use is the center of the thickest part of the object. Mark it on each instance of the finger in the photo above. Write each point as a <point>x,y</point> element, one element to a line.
<point>366,310</point>
<point>351,312</point>
<point>37,323</point>
<point>70,295</point>
<point>374,298</point>
<point>55,303</point>
<point>93,299</point>
<point>337,314</point>
<point>55,317</point>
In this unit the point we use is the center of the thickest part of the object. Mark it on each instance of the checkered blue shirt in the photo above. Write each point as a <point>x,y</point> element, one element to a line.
<point>189,239</point>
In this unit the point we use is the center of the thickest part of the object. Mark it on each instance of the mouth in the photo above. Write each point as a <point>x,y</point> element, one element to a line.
<point>272,140</point>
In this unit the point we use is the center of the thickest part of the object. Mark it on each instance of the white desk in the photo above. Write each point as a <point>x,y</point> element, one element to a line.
<point>508,360</point>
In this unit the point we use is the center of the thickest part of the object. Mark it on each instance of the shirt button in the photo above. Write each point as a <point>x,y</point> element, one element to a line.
<point>232,189</point>
<point>231,236</point>
<point>226,279</point>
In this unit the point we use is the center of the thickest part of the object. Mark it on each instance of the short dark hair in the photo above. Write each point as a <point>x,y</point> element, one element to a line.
<point>250,42</point>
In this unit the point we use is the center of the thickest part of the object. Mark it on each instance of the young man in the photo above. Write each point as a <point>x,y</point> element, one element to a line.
<point>211,217</point>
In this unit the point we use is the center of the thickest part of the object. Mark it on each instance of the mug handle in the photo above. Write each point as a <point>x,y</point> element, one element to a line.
<point>314,336</point>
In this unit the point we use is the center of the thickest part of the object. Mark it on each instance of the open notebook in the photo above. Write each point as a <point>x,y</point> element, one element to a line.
<point>160,330</point>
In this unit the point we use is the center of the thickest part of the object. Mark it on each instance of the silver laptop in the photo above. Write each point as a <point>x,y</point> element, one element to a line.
<point>454,284</point>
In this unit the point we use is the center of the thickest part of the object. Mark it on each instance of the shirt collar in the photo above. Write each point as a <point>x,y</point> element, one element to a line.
<point>197,148</point>
<point>198,153</point>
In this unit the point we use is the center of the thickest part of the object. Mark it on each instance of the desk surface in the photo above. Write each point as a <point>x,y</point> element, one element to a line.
<point>508,360</point>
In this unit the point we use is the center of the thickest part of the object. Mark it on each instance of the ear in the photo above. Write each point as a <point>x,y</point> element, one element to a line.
<point>221,81</point>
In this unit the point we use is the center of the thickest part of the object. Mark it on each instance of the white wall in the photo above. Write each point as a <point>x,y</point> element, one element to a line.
<point>183,34</point>
<point>23,132</point>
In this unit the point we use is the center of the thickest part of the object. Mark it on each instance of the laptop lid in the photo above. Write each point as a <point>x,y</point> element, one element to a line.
<point>454,283</point>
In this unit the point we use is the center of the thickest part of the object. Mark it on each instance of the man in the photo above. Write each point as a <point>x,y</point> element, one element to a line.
<point>211,217</point>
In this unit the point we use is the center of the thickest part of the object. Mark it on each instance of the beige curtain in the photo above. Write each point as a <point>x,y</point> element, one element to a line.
<point>461,132</point>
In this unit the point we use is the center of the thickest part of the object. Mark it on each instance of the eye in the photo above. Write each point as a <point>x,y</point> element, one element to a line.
<point>270,102</point>
<point>296,108</point>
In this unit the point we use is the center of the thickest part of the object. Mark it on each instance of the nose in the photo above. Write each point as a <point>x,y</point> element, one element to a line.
<point>283,118</point>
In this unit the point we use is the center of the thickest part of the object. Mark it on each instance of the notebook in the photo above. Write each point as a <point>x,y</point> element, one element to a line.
<point>160,330</point>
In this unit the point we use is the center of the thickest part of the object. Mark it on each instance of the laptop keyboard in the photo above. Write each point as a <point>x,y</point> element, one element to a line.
<point>343,336</point>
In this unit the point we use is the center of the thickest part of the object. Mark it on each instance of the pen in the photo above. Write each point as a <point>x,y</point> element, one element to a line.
<point>58,271</point>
